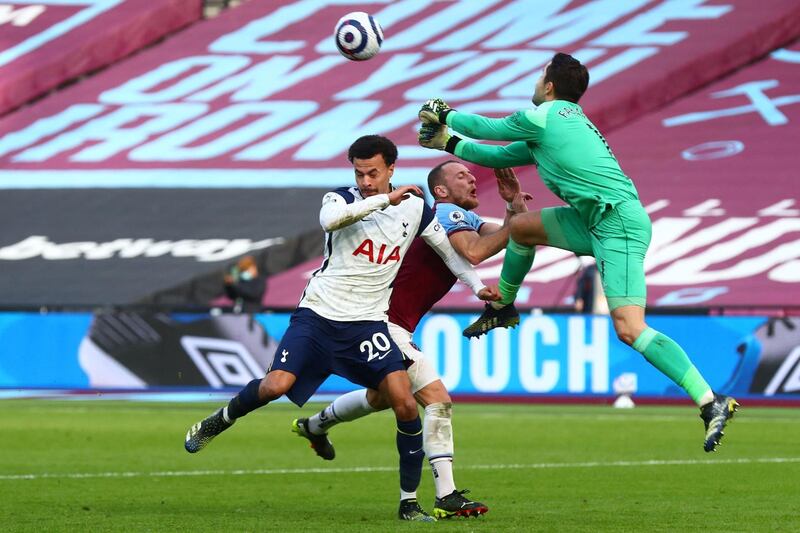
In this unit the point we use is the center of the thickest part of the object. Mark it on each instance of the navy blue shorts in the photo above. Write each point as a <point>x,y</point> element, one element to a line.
<point>313,348</point>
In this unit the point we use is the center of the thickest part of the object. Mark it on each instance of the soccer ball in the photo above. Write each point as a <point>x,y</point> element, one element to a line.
<point>358,36</point>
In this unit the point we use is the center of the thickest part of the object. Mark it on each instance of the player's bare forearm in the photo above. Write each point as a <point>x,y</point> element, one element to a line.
<point>492,243</point>
<point>477,247</point>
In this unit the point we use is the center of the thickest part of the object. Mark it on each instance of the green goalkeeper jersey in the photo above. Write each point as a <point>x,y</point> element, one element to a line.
<point>573,158</point>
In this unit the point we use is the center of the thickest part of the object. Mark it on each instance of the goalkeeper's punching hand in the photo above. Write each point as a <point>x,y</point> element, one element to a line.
<point>434,111</point>
<point>433,136</point>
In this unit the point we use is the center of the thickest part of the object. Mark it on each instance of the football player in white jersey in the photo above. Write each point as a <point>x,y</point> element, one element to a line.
<point>422,281</point>
<point>339,326</point>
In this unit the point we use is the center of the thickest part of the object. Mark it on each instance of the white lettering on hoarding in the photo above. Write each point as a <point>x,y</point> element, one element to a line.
<point>786,55</point>
<point>267,78</point>
<point>491,358</point>
<point>789,272</point>
<point>203,250</point>
<point>321,142</point>
<point>587,357</point>
<point>45,127</point>
<point>712,150</point>
<point>684,250</point>
<point>535,373</point>
<point>784,208</point>
<point>90,10</point>
<point>20,17</point>
<point>768,108</point>
<point>672,240</point>
<point>691,295</point>
<point>179,145</point>
<point>173,85</point>
<point>639,30</point>
<point>111,133</point>
<point>521,22</point>
<point>441,339</point>
<point>480,360</point>
<point>695,269</point>
<point>231,73</point>
<point>401,68</point>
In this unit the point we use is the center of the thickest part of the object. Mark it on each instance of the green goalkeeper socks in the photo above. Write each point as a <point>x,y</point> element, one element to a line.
<point>667,356</point>
<point>516,264</point>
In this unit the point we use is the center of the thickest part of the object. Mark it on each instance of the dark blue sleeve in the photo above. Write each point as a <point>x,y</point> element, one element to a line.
<point>345,193</point>
<point>427,216</point>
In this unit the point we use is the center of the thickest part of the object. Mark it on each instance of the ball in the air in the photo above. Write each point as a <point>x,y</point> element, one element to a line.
<point>358,36</point>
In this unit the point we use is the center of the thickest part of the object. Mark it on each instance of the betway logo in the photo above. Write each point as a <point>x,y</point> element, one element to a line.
<point>19,17</point>
<point>203,250</point>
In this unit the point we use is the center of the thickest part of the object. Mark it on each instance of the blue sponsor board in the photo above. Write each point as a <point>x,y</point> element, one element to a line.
<point>574,354</point>
<point>546,354</point>
<point>42,350</point>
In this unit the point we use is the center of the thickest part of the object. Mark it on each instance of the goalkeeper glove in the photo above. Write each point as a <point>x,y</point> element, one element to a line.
<point>434,112</point>
<point>433,136</point>
<point>437,137</point>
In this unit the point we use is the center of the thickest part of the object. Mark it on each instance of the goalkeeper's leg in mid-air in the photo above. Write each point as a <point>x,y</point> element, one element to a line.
<point>619,246</point>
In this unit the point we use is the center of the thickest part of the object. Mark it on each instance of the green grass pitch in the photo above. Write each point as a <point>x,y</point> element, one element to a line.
<point>121,466</point>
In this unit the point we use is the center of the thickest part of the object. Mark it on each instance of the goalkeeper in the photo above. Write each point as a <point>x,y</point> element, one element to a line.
<point>603,217</point>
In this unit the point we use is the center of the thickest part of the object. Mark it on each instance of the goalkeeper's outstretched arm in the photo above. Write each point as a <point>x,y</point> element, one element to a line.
<point>516,127</point>
<point>511,155</point>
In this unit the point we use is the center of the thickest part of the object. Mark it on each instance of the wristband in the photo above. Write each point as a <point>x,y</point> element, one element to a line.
<point>443,115</point>
<point>509,207</point>
<point>451,144</point>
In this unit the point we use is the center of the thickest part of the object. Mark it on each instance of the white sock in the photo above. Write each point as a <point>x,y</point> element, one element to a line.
<point>407,495</point>
<point>443,476</point>
<point>437,431</point>
<point>345,408</point>
<point>708,397</point>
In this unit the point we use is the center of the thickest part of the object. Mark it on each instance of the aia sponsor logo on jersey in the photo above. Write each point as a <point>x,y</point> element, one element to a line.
<point>377,254</point>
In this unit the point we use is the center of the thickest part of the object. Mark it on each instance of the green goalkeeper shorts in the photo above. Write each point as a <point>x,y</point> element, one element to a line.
<point>618,243</point>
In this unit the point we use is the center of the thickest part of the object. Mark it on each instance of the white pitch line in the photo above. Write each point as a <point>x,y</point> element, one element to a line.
<point>370,469</point>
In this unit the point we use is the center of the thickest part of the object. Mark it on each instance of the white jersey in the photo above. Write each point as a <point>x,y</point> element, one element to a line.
<point>365,243</point>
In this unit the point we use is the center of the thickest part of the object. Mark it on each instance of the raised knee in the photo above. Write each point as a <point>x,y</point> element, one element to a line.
<point>627,332</point>
<point>527,230</point>
<point>518,229</point>
<point>626,337</point>
<point>376,400</point>
<point>406,409</point>
<point>272,389</point>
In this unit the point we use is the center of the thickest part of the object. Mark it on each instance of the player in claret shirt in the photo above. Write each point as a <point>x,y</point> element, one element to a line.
<point>603,217</point>
<point>422,281</point>
<point>339,326</point>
